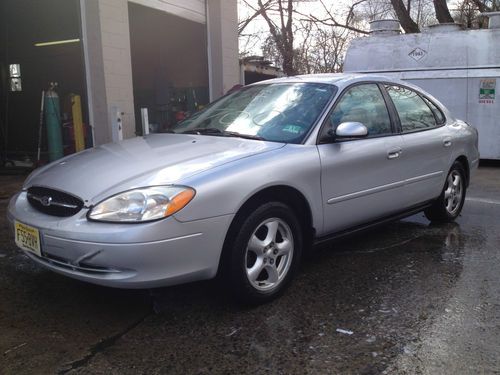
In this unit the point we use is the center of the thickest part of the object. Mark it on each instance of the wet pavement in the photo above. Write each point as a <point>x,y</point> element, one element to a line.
<point>405,298</point>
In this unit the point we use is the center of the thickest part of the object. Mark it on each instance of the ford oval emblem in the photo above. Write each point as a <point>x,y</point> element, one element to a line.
<point>46,201</point>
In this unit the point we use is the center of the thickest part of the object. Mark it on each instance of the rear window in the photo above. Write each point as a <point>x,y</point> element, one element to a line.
<point>437,112</point>
<point>414,113</point>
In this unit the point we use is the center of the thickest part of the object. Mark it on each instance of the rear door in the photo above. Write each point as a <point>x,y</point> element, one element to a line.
<point>361,179</point>
<point>426,142</point>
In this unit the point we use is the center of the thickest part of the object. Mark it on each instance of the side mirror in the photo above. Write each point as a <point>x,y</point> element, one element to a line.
<point>351,130</point>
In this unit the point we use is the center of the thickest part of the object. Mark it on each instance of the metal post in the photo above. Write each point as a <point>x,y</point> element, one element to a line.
<point>145,121</point>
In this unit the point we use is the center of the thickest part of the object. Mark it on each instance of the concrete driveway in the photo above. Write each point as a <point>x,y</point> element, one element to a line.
<point>406,298</point>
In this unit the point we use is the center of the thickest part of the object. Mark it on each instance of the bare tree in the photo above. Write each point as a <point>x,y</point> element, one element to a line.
<point>467,12</point>
<point>414,14</point>
<point>270,52</point>
<point>282,30</point>
<point>376,9</point>
<point>328,49</point>
<point>333,21</point>
<point>323,48</point>
<point>285,22</point>
<point>302,59</point>
<point>243,23</point>
<point>403,14</point>
<point>487,5</point>
<point>442,12</point>
<point>313,39</point>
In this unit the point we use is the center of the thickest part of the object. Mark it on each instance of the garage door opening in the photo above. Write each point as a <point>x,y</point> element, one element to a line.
<point>169,67</point>
<point>40,43</point>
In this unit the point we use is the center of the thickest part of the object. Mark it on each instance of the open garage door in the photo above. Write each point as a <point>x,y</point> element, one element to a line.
<point>40,44</point>
<point>169,66</point>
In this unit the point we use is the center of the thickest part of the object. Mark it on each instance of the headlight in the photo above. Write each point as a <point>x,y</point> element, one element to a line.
<point>144,204</point>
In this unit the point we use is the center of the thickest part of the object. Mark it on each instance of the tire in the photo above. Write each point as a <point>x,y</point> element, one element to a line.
<point>264,253</point>
<point>449,204</point>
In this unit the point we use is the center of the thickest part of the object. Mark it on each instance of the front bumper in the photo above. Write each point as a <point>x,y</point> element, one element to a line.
<point>147,255</point>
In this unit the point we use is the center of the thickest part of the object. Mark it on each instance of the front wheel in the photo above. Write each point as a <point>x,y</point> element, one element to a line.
<point>264,254</point>
<point>449,204</point>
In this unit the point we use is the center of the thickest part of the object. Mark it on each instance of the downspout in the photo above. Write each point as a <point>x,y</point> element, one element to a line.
<point>209,53</point>
<point>86,64</point>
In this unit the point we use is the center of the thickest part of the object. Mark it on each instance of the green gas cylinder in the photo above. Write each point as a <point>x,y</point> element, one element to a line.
<point>53,124</point>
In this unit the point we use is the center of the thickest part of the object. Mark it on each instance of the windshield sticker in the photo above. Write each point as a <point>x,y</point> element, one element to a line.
<point>295,129</point>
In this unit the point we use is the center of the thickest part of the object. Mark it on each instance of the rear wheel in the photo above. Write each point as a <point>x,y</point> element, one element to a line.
<point>449,204</point>
<point>264,254</point>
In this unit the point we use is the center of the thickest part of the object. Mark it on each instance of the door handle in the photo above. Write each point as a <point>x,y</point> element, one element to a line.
<point>447,142</point>
<point>393,154</point>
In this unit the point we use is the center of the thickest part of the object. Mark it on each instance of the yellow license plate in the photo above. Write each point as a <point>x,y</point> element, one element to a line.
<point>27,238</point>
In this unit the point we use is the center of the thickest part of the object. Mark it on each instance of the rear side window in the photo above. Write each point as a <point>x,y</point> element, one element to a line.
<point>413,112</point>
<point>437,112</point>
<point>365,104</point>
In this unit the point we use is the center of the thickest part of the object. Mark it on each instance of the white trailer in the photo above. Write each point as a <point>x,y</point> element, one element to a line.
<point>461,68</point>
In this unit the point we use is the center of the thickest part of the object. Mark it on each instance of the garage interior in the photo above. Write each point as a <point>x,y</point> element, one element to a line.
<point>40,43</point>
<point>169,66</point>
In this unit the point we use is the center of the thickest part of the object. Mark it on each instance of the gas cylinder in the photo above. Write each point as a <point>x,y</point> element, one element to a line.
<point>53,124</point>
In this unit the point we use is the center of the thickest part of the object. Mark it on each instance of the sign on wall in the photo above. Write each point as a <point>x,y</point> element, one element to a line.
<point>487,91</point>
<point>417,54</point>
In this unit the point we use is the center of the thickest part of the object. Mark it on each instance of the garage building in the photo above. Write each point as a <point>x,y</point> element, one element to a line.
<point>131,64</point>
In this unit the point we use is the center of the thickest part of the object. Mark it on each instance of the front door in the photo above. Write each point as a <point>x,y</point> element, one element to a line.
<point>361,179</point>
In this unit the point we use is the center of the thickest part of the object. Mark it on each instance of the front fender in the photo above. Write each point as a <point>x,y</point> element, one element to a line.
<point>225,189</point>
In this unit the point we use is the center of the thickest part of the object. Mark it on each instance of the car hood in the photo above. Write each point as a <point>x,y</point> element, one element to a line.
<point>143,161</point>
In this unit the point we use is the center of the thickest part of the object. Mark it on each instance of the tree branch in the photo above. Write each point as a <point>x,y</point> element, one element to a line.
<point>442,12</point>
<point>257,12</point>
<point>408,25</point>
<point>333,23</point>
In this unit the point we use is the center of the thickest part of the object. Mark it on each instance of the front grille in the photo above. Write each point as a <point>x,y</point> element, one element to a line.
<point>54,202</point>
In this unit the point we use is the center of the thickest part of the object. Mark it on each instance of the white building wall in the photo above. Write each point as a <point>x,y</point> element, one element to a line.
<point>115,36</point>
<point>222,19</point>
<point>230,53</point>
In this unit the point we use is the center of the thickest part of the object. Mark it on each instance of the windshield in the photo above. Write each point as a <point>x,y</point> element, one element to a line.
<point>279,112</point>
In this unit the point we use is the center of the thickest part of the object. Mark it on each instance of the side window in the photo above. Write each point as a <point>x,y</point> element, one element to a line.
<point>364,104</point>
<point>413,112</point>
<point>437,112</point>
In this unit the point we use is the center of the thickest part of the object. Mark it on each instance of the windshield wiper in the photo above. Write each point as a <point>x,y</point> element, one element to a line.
<point>246,136</point>
<point>204,131</point>
<point>222,133</point>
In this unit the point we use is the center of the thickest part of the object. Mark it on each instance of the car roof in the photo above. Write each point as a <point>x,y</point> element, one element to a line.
<point>338,79</point>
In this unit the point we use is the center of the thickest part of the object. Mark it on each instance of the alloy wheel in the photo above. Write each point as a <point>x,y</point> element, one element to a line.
<point>269,254</point>
<point>453,193</point>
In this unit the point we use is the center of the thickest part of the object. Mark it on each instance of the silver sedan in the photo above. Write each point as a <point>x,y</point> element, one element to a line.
<point>242,188</point>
